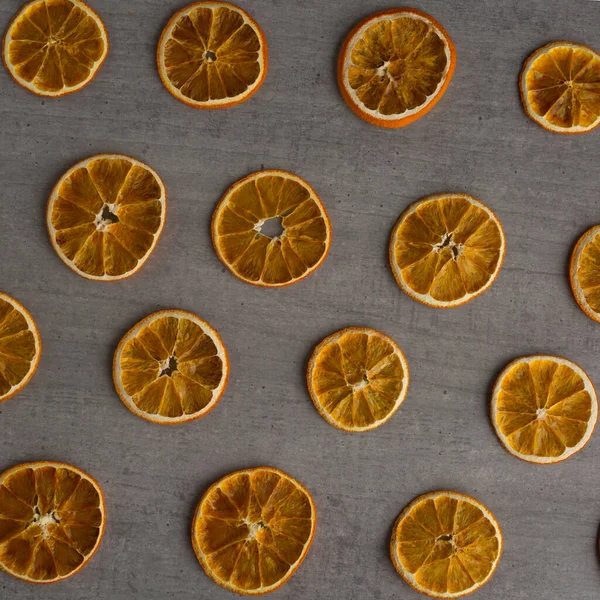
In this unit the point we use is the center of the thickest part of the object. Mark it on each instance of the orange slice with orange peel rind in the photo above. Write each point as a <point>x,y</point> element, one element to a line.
<point>212,55</point>
<point>105,216</point>
<point>544,408</point>
<point>54,47</point>
<point>295,252</point>
<point>395,66</point>
<point>447,249</point>
<point>357,378</point>
<point>52,519</point>
<point>172,367</point>
<point>446,544</point>
<point>560,87</point>
<point>584,273</point>
<point>252,530</point>
<point>20,347</point>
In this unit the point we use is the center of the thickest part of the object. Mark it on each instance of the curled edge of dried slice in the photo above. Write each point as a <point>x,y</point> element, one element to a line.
<point>576,288</point>
<point>541,121</point>
<point>38,343</point>
<point>225,102</point>
<point>312,363</point>
<point>52,231</point>
<point>56,464</point>
<point>30,87</point>
<point>207,328</point>
<point>589,387</point>
<point>459,496</point>
<point>200,555</point>
<point>349,43</point>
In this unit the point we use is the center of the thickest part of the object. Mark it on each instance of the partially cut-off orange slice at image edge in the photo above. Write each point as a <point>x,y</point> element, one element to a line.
<point>584,273</point>
<point>253,204</point>
<point>544,408</point>
<point>446,544</point>
<point>170,368</point>
<point>20,347</point>
<point>252,529</point>
<point>105,216</point>
<point>395,66</point>
<point>212,55</point>
<point>560,87</point>
<point>447,249</point>
<point>357,379</point>
<point>54,47</point>
<point>52,520</point>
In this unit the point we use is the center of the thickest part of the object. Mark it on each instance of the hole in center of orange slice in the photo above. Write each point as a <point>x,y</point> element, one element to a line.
<point>169,366</point>
<point>105,218</point>
<point>273,228</point>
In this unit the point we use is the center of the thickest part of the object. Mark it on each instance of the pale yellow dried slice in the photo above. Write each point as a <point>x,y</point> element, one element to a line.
<point>544,408</point>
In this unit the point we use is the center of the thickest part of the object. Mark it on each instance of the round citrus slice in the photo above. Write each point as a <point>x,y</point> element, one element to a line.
<point>105,216</point>
<point>252,530</point>
<point>395,66</point>
<point>585,273</point>
<point>560,87</point>
<point>447,249</point>
<point>212,55</point>
<point>20,347</point>
<point>271,229</point>
<point>172,367</point>
<point>55,47</point>
<point>357,378</point>
<point>446,544</point>
<point>544,408</point>
<point>51,521</point>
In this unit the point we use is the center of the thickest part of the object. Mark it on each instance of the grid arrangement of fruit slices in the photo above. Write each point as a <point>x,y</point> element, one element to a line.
<point>253,528</point>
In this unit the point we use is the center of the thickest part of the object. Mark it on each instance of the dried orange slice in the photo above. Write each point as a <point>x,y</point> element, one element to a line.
<point>585,273</point>
<point>172,367</point>
<point>252,530</point>
<point>55,47</point>
<point>357,378</point>
<point>51,521</point>
<point>447,249</point>
<point>560,87</point>
<point>395,66</point>
<point>20,347</point>
<point>212,55</point>
<point>105,216</point>
<point>446,544</point>
<point>284,201</point>
<point>544,408</point>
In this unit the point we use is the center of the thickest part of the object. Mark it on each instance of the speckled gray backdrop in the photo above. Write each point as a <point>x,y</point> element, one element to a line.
<point>544,188</point>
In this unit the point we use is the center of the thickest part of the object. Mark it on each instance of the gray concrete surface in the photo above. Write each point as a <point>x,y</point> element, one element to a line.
<point>544,188</point>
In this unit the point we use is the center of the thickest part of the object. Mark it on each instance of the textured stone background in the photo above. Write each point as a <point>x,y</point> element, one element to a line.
<point>544,188</point>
